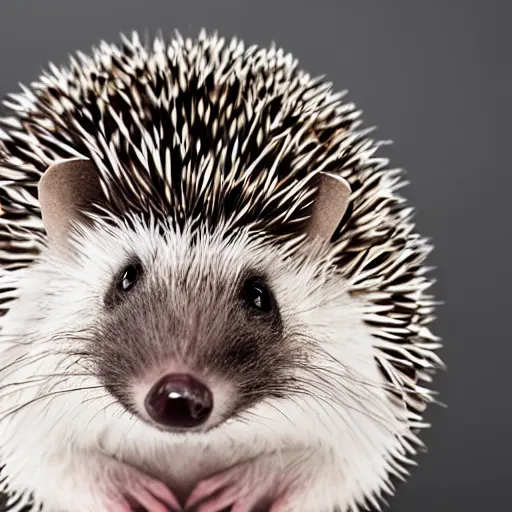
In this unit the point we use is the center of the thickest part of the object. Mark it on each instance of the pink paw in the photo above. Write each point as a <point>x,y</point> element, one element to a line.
<point>130,489</point>
<point>249,487</point>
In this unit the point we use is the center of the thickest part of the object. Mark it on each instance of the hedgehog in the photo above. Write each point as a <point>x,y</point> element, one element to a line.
<point>212,294</point>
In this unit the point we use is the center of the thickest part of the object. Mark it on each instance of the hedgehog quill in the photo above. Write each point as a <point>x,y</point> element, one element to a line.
<point>213,295</point>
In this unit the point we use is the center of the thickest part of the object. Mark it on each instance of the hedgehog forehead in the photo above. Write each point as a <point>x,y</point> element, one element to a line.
<point>189,256</point>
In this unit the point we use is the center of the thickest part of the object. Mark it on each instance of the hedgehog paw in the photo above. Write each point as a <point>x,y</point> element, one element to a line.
<point>249,487</point>
<point>131,490</point>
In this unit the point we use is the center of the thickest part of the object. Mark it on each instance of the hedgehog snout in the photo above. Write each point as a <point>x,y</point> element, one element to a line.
<point>179,400</point>
<point>178,396</point>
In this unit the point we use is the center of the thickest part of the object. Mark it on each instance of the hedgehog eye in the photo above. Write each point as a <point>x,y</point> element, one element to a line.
<point>257,295</point>
<point>129,277</point>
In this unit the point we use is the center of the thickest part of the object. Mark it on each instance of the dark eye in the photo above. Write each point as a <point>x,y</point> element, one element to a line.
<point>257,295</point>
<point>129,277</point>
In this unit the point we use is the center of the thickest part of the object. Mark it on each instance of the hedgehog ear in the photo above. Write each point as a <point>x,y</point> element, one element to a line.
<point>329,207</point>
<point>67,190</point>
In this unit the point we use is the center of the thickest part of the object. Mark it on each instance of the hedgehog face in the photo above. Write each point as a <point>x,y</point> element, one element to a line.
<point>192,330</point>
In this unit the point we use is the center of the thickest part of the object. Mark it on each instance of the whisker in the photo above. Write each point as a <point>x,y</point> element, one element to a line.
<point>47,395</point>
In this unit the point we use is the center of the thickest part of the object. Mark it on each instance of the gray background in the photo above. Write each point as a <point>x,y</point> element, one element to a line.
<point>435,77</point>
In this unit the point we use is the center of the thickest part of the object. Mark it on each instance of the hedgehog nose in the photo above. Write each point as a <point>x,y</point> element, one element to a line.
<point>179,401</point>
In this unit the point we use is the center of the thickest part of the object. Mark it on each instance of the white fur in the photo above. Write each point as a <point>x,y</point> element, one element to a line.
<point>59,447</point>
